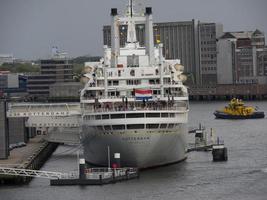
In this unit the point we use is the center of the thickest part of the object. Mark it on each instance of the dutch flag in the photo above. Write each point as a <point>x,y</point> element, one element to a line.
<point>143,94</point>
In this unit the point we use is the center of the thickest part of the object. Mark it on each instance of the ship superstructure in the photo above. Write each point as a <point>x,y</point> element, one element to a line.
<point>134,102</point>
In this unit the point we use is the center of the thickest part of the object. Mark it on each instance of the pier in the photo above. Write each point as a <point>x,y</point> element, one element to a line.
<point>30,157</point>
<point>98,176</point>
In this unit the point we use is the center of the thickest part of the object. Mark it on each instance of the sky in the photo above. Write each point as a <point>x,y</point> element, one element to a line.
<point>29,28</point>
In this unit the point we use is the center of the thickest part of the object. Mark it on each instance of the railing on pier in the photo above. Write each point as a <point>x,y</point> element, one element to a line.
<point>106,173</point>
<point>91,173</point>
<point>32,173</point>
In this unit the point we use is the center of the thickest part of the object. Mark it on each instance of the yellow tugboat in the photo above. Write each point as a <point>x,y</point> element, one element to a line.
<point>237,110</point>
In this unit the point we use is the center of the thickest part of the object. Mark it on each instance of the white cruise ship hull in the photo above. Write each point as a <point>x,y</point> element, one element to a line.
<point>138,148</point>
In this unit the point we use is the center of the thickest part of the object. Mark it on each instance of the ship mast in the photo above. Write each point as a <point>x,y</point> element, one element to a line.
<point>131,32</point>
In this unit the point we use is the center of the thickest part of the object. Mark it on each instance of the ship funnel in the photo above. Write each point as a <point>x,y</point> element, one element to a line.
<point>149,35</point>
<point>114,12</point>
<point>115,37</point>
<point>148,11</point>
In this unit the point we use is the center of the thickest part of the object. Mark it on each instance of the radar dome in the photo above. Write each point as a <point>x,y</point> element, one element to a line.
<point>88,69</point>
<point>183,78</point>
<point>84,79</point>
<point>179,67</point>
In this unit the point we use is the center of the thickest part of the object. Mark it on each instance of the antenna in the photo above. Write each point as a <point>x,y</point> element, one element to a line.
<point>131,6</point>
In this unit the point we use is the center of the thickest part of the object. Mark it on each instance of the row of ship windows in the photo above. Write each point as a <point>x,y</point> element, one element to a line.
<point>128,115</point>
<point>135,126</point>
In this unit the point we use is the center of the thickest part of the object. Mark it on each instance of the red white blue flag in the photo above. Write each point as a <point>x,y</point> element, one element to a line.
<point>143,94</point>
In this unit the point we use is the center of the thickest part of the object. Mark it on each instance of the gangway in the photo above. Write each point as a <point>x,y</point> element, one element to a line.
<point>42,110</point>
<point>35,173</point>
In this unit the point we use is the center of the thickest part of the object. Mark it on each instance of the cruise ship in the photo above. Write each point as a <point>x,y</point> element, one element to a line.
<point>134,102</point>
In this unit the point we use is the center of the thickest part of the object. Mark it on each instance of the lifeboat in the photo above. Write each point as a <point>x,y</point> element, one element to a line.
<point>237,110</point>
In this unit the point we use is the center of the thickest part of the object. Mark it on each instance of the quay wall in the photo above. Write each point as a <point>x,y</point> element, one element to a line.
<point>227,92</point>
<point>34,162</point>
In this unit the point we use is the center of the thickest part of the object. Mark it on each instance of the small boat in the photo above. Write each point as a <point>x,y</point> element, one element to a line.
<point>237,110</point>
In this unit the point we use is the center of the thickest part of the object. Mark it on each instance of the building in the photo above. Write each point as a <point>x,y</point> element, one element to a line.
<point>67,90</point>
<point>194,43</point>
<point>208,34</point>
<point>242,58</point>
<point>6,58</point>
<point>4,143</point>
<point>58,69</point>
<point>262,61</point>
<point>13,84</point>
<point>17,130</point>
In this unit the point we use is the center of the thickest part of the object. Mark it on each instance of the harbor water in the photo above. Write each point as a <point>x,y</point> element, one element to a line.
<point>244,176</point>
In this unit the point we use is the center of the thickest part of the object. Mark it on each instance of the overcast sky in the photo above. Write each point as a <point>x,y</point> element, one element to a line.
<point>29,28</point>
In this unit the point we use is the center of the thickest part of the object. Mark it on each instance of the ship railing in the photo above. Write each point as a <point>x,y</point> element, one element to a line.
<point>154,97</point>
<point>148,108</point>
<point>105,173</point>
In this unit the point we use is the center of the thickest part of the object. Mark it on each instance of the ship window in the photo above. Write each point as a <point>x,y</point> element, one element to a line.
<point>151,126</point>
<point>152,114</point>
<point>164,114</point>
<point>172,115</point>
<point>98,117</point>
<point>171,126</point>
<point>135,126</point>
<point>100,128</point>
<point>135,115</point>
<point>115,82</point>
<point>107,128</point>
<point>117,116</point>
<point>132,72</point>
<point>156,92</point>
<point>151,81</point>
<point>118,127</point>
<point>163,126</point>
<point>105,116</point>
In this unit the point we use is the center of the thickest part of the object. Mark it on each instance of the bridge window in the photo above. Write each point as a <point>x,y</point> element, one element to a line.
<point>172,115</point>
<point>118,127</point>
<point>100,128</point>
<point>135,115</point>
<point>117,116</point>
<point>135,126</point>
<point>98,117</point>
<point>163,126</point>
<point>105,116</point>
<point>152,114</point>
<point>152,126</point>
<point>107,127</point>
<point>171,126</point>
<point>164,115</point>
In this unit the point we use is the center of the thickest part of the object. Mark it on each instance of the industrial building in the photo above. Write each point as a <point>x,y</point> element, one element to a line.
<point>67,90</point>
<point>58,69</point>
<point>193,42</point>
<point>17,130</point>
<point>208,34</point>
<point>4,143</point>
<point>242,58</point>
<point>13,84</point>
<point>6,58</point>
